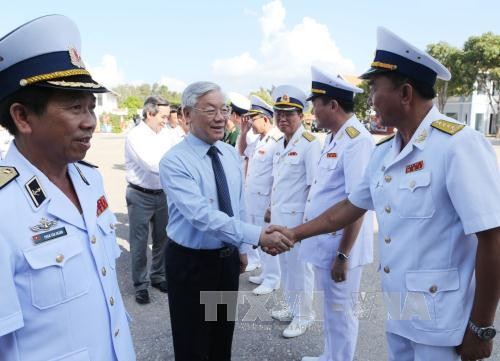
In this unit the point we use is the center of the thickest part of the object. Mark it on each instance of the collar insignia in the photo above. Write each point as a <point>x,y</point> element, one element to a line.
<point>35,191</point>
<point>422,136</point>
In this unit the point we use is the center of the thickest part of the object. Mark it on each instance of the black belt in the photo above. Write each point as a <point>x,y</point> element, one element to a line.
<point>220,252</point>
<point>146,190</point>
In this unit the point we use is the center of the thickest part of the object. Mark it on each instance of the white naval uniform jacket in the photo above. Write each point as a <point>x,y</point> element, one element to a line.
<point>293,172</point>
<point>430,199</point>
<point>59,295</point>
<point>343,161</point>
<point>259,177</point>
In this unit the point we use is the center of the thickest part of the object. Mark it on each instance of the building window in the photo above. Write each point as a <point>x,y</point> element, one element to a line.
<point>452,115</point>
<point>480,122</point>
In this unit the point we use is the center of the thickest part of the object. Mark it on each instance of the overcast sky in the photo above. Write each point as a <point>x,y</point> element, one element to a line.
<point>249,43</point>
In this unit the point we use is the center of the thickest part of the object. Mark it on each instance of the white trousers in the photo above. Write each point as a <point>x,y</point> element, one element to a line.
<point>270,265</point>
<point>402,349</point>
<point>253,256</point>
<point>297,283</point>
<point>340,321</point>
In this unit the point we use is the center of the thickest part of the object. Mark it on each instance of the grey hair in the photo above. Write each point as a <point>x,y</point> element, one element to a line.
<point>195,91</point>
<point>152,104</point>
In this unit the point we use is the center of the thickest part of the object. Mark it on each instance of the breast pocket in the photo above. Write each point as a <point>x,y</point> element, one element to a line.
<point>415,196</point>
<point>292,164</point>
<point>106,223</point>
<point>329,174</point>
<point>292,213</point>
<point>58,272</point>
<point>434,300</point>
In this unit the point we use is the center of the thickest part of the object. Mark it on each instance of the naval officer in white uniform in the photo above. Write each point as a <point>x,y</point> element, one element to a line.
<point>338,264</point>
<point>258,184</point>
<point>294,165</point>
<point>435,189</point>
<point>60,298</point>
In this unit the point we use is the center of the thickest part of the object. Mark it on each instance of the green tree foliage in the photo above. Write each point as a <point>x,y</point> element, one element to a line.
<point>452,58</point>
<point>482,56</point>
<point>132,97</point>
<point>132,103</point>
<point>361,106</point>
<point>264,94</point>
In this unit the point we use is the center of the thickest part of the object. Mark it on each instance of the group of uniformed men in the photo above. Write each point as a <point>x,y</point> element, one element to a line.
<point>434,187</point>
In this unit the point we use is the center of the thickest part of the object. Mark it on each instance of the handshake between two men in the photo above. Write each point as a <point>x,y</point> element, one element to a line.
<point>276,239</point>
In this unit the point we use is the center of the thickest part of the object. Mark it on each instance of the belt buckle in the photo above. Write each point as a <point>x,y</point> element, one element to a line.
<point>225,252</point>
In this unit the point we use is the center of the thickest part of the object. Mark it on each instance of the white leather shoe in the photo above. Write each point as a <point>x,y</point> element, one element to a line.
<point>252,267</point>
<point>262,290</point>
<point>310,358</point>
<point>282,315</point>
<point>255,279</point>
<point>297,327</point>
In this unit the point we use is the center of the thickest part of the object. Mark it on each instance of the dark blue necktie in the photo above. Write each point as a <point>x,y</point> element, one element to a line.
<point>221,182</point>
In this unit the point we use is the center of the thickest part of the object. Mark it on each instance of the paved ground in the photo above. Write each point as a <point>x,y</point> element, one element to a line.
<point>259,340</point>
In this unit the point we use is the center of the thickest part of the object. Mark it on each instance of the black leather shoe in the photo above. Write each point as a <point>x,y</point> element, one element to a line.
<point>142,297</point>
<point>162,286</point>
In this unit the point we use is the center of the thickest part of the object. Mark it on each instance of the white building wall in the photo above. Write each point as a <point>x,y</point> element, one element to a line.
<point>474,111</point>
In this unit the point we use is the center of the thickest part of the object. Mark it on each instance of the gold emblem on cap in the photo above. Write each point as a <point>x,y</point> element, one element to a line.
<point>285,98</point>
<point>76,59</point>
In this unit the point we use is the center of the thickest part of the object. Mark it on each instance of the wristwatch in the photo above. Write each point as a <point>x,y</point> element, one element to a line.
<point>342,257</point>
<point>483,333</point>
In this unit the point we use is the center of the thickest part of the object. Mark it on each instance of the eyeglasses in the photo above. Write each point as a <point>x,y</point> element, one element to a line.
<point>212,112</point>
<point>285,114</point>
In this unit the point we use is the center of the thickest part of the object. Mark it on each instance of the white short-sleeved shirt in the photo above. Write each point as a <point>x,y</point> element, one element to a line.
<point>294,168</point>
<point>59,295</point>
<point>343,160</point>
<point>431,198</point>
<point>144,149</point>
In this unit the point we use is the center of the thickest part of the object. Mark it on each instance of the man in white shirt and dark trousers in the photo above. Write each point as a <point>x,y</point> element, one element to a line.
<point>146,201</point>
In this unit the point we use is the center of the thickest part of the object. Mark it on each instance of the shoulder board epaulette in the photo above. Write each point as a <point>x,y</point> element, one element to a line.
<point>7,175</point>
<point>447,127</point>
<point>308,136</point>
<point>87,164</point>
<point>352,132</point>
<point>385,139</point>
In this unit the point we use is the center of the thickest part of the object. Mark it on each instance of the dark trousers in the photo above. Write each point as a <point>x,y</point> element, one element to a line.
<point>189,273</point>
<point>145,210</point>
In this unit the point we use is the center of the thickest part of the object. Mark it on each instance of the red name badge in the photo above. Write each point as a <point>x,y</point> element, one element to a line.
<point>415,166</point>
<point>331,155</point>
<point>102,205</point>
<point>292,154</point>
<point>262,151</point>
